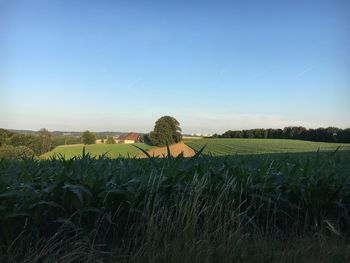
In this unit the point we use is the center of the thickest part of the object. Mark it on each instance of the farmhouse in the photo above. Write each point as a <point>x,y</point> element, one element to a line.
<point>129,138</point>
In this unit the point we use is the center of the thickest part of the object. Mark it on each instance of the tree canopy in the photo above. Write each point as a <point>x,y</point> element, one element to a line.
<point>110,140</point>
<point>4,135</point>
<point>31,141</point>
<point>330,134</point>
<point>88,137</point>
<point>45,140</point>
<point>166,131</point>
<point>16,152</point>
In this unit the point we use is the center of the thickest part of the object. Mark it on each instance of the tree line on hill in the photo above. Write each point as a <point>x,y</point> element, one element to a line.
<point>26,144</point>
<point>56,134</point>
<point>330,134</point>
<point>166,131</point>
<point>17,145</point>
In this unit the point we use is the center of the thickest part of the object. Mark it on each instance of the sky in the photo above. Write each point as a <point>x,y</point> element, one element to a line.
<point>213,65</point>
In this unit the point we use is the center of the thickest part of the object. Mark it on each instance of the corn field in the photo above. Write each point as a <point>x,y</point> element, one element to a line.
<point>175,209</point>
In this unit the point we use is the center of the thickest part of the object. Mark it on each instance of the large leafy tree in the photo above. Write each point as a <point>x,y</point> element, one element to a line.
<point>45,140</point>
<point>166,131</point>
<point>88,137</point>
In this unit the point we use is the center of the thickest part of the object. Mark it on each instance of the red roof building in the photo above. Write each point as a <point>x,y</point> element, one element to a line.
<point>131,137</point>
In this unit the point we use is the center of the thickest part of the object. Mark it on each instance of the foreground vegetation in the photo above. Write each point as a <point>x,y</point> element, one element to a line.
<point>218,147</point>
<point>110,150</point>
<point>264,208</point>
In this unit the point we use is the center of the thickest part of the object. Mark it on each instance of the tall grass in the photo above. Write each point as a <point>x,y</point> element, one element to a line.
<point>272,208</point>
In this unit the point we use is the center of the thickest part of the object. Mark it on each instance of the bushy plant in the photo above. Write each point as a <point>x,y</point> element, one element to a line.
<point>45,140</point>
<point>18,152</point>
<point>31,141</point>
<point>88,137</point>
<point>110,140</point>
<point>4,136</point>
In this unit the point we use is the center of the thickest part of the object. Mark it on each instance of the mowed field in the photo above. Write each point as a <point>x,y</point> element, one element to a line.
<point>215,147</point>
<point>218,147</point>
<point>175,150</point>
<point>95,150</point>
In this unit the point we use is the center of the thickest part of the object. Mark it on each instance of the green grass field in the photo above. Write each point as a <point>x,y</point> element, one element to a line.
<point>216,147</point>
<point>112,150</point>
<point>219,147</point>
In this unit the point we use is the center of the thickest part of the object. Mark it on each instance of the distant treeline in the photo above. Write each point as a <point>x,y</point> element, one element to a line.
<point>14,145</point>
<point>99,135</point>
<point>330,134</point>
<point>17,144</point>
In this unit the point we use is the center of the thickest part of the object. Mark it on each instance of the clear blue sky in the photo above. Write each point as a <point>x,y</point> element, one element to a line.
<point>213,65</point>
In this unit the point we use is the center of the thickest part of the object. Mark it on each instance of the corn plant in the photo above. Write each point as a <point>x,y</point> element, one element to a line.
<point>174,198</point>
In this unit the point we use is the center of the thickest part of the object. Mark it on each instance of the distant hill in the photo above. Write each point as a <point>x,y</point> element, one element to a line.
<point>22,131</point>
<point>102,134</point>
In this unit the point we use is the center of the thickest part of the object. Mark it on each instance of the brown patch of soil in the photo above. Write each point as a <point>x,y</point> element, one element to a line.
<point>175,150</point>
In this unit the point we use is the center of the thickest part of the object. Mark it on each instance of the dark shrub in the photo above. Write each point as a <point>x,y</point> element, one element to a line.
<point>13,153</point>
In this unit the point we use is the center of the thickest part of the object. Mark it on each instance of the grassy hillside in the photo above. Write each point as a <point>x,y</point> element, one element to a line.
<point>112,150</point>
<point>219,147</point>
<point>216,147</point>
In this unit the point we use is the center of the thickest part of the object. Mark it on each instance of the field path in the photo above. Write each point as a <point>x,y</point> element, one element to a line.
<point>175,150</point>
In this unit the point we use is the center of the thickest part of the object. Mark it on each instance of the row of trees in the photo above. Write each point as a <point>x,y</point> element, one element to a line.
<point>15,152</point>
<point>40,143</point>
<point>166,131</point>
<point>330,134</point>
<point>90,138</point>
<point>18,145</point>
